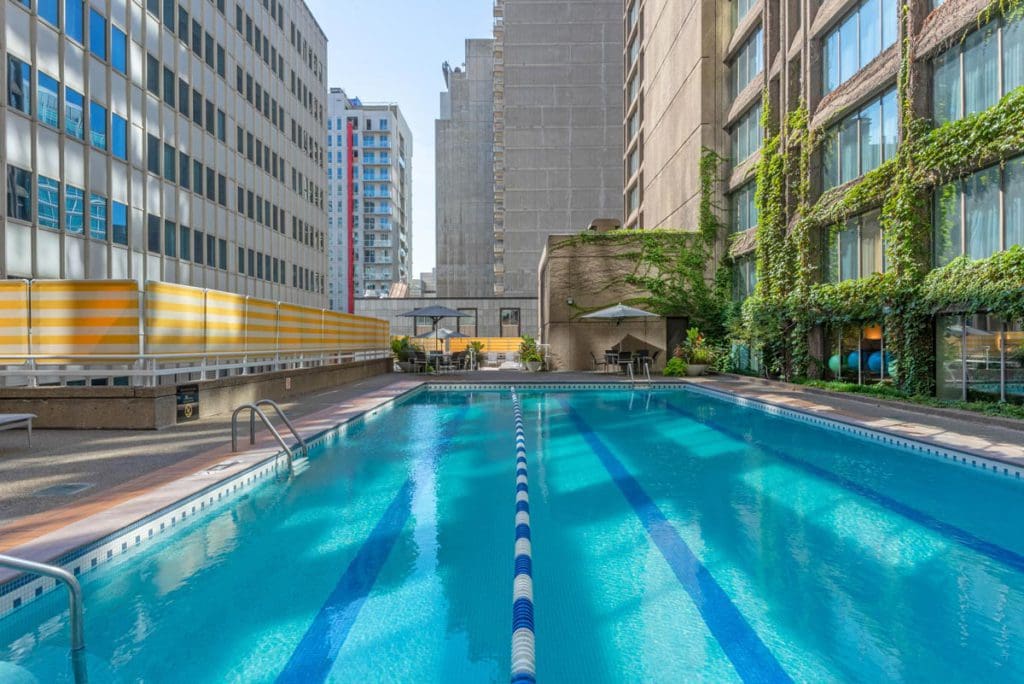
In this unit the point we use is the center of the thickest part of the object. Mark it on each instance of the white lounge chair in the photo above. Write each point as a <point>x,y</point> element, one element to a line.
<point>10,421</point>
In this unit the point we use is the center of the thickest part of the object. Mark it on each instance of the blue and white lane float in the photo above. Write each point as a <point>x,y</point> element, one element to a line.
<point>524,664</point>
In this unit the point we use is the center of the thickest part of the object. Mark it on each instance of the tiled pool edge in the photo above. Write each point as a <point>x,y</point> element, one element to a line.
<point>23,588</point>
<point>923,447</point>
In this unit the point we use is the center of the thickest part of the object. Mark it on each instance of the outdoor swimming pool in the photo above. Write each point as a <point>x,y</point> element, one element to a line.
<point>676,537</point>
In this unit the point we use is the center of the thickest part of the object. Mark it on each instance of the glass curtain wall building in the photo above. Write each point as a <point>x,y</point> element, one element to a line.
<point>174,140</point>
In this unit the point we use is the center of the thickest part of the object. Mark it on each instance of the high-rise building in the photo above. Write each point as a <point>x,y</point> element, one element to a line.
<point>369,157</point>
<point>174,141</point>
<point>698,75</point>
<point>464,150</point>
<point>558,75</point>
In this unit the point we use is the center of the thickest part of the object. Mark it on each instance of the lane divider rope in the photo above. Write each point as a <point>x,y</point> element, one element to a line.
<point>524,666</point>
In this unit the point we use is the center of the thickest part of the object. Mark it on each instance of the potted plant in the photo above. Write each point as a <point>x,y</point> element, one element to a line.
<point>696,353</point>
<point>476,348</point>
<point>530,355</point>
<point>403,351</point>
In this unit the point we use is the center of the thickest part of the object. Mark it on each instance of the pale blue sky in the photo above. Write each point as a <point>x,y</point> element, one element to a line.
<point>391,51</point>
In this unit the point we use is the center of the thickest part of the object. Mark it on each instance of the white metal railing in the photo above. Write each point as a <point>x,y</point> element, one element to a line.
<point>255,410</point>
<point>149,369</point>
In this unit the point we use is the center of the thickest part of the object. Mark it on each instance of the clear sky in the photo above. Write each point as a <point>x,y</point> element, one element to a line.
<point>391,51</point>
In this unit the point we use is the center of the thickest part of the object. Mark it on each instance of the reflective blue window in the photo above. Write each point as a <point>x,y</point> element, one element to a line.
<point>74,209</point>
<point>74,113</point>
<point>98,125</point>
<point>118,49</point>
<point>97,217</point>
<point>863,34</point>
<point>74,20</point>
<point>48,103</point>
<point>48,10</point>
<point>19,85</point>
<point>118,136</point>
<point>49,203</point>
<point>98,34</point>
<point>119,222</point>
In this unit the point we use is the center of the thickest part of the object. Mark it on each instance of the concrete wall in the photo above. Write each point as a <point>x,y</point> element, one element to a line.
<point>464,171</point>
<point>149,408</point>
<point>562,113</point>
<point>488,312</point>
<point>581,274</point>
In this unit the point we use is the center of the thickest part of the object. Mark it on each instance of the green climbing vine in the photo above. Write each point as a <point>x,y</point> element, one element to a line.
<point>788,303</point>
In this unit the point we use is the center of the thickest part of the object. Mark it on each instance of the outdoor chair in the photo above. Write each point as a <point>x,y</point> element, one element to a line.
<point>625,359</point>
<point>10,421</point>
<point>599,365</point>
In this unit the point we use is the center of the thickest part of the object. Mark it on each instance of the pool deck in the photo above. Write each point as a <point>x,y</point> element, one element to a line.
<point>132,474</point>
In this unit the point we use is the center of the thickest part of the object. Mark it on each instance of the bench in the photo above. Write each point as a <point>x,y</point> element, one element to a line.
<point>10,421</point>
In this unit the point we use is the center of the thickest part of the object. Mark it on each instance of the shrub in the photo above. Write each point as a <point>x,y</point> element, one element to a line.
<point>675,368</point>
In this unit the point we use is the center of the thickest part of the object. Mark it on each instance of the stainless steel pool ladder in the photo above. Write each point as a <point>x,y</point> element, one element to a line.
<point>255,410</point>
<point>647,373</point>
<point>75,605</point>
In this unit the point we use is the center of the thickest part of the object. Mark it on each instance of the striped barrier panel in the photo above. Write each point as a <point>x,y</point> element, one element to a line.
<point>300,328</point>
<point>97,318</point>
<point>225,322</point>
<point>260,326</point>
<point>524,666</point>
<point>175,319</point>
<point>14,314</point>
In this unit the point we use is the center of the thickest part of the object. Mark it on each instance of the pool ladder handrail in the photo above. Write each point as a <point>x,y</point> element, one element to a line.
<point>255,410</point>
<point>647,373</point>
<point>75,605</point>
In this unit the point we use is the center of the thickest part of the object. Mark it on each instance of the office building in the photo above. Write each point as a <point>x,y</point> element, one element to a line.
<point>464,150</point>
<point>558,148</point>
<point>369,157</point>
<point>174,141</point>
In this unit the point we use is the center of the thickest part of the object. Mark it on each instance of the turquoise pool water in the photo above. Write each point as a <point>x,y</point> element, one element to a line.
<point>676,537</point>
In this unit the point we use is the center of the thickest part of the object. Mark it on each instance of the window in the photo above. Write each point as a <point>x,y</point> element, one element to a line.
<point>48,99</point>
<point>744,209</point>
<point>153,233</point>
<point>19,194</point>
<point>19,85</point>
<point>48,10</point>
<point>198,246</point>
<point>211,242</point>
<point>170,163</point>
<point>966,78</point>
<point>97,217</point>
<point>222,254</point>
<point>98,34</point>
<point>510,326</point>
<point>49,203</point>
<point>221,126</point>
<point>184,170</point>
<point>74,113</point>
<point>749,62</point>
<point>74,19</point>
<point>209,50</point>
<point>860,142</point>
<point>744,275</point>
<point>197,176</point>
<point>183,97</point>
<point>185,240</point>
<point>747,135</point>
<point>468,323</point>
<point>169,84</point>
<point>153,154</point>
<point>152,75</point>
<point>221,60</point>
<point>119,222</point>
<point>98,125</point>
<point>862,35</point>
<point>170,239</point>
<point>169,14</point>
<point>197,108</point>
<point>118,136</point>
<point>197,38</point>
<point>183,24</point>
<point>118,49</point>
<point>241,260</point>
<point>740,9</point>
<point>855,251</point>
<point>74,209</point>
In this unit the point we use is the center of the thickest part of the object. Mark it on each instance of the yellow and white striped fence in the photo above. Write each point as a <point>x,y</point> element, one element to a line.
<point>85,329</point>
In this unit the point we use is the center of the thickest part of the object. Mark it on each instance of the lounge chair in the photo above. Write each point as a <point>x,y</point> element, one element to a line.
<point>11,421</point>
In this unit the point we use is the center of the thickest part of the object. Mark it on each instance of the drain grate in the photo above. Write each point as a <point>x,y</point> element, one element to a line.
<point>63,489</point>
<point>221,466</point>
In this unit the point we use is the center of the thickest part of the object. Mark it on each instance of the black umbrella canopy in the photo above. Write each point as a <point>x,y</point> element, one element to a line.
<point>435,312</point>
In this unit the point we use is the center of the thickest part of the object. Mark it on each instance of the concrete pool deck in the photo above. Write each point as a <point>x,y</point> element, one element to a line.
<point>131,473</point>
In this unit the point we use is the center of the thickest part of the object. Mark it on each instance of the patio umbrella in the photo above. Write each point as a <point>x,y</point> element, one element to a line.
<point>435,314</point>
<point>620,312</point>
<point>957,330</point>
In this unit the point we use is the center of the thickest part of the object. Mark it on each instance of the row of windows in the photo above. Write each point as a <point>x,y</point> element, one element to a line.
<point>749,62</point>
<point>747,134</point>
<point>260,154</point>
<point>861,141</point>
<point>304,50</point>
<point>308,235</point>
<point>166,161</point>
<point>181,242</point>
<point>48,108</point>
<point>972,75</point>
<point>744,208</point>
<point>260,98</point>
<point>74,28</point>
<point>58,207</point>
<point>175,93</point>
<point>854,252</point>
<point>869,28</point>
<point>259,41</point>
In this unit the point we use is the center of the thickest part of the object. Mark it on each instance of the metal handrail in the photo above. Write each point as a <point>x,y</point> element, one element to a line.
<point>284,418</point>
<point>75,604</point>
<point>255,411</point>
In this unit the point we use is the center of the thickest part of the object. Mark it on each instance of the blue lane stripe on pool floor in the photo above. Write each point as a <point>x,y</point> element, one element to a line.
<point>749,655</point>
<point>315,655</point>
<point>961,536</point>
